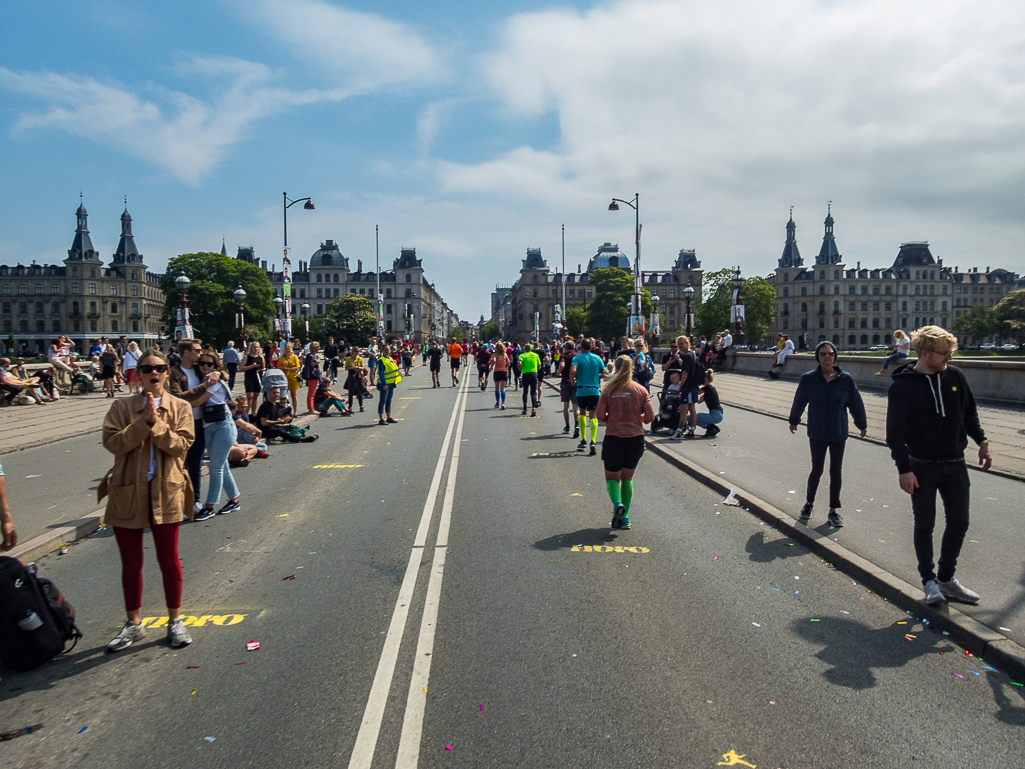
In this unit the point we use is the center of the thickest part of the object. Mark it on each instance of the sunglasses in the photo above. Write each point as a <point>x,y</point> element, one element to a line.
<point>147,369</point>
<point>205,363</point>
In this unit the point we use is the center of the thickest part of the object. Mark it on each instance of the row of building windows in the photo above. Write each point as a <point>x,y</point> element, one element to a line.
<point>55,307</point>
<point>919,275</point>
<point>5,289</point>
<point>998,290</point>
<point>55,327</point>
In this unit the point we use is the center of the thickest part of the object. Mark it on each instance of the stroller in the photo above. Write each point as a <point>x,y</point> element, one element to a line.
<point>668,416</point>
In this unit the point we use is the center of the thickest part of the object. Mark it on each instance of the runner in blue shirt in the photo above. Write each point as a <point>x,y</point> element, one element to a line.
<point>586,374</point>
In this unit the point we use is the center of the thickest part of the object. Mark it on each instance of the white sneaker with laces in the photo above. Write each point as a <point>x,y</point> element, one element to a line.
<point>177,635</point>
<point>955,591</point>
<point>128,635</point>
<point>932,592</point>
<point>677,435</point>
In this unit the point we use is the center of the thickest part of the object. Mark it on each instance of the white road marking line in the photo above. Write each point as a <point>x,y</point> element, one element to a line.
<point>373,715</point>
<point>416,700</point>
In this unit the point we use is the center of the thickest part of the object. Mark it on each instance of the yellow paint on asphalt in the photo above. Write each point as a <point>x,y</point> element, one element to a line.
<point>607,549</point>
<point>576,494</point>
<point>220,620</point>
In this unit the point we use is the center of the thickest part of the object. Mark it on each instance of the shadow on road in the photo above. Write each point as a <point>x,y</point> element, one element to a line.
<point>760,551</point>
<point>581,537</point>
<point>854,650</point>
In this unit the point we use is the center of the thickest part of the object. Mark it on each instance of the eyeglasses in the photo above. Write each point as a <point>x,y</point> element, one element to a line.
<point>827,352</point>
<point>196,349</point>
<point>160,369</point>
<point>941,353</point>
<point>205,363</point>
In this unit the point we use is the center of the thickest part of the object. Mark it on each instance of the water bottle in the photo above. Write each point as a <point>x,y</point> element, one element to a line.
<point>31,621</point>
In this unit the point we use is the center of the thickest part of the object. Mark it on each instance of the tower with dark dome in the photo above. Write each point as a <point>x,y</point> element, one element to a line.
<point>82,250</point>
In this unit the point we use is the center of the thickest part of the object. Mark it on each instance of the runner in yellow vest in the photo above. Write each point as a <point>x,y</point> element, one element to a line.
<point>387,378</point>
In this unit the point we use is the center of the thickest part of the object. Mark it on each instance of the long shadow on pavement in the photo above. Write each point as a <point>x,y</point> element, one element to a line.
<point>760,551</point>
<point>581,537</point>
<point>854,650</point>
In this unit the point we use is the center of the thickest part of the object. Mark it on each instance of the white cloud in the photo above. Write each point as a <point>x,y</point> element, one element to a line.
<point>430,120</point>
<point>722,114</point>
<point>178,132</point>
<point>365,51</point>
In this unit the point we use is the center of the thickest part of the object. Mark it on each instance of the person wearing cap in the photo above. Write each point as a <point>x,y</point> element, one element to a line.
<point>828,393</point>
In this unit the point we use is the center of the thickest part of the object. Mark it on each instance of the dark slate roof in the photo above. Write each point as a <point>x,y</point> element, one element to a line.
<point>534,260</point>
<point>126,252</point>
<point>828,253</point>
<point>913,255</point>
<point>329,255</point>
<point>407,259</point>
<point>609,255</point>
<point>687,260</point>
<point>247,254</point>
<point>791,256</point>
<point>82,246</point>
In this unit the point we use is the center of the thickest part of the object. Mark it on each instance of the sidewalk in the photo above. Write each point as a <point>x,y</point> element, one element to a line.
<point>1004,426</point>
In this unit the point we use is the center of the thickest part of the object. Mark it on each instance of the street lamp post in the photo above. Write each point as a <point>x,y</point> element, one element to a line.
<point>635,308</point>
<point>278,301</point>
<point>306,321</point>
<point>656,328</point>
<point>286,263</point>
<point>738,309</point>
<point>183,283</point>
<point>688,294</point>
<point>240,321</point>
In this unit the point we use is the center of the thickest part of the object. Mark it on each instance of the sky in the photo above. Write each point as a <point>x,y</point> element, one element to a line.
<point>473,131</point>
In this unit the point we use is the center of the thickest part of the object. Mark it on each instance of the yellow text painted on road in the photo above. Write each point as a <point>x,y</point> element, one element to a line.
<point>220,620</point>
<point>335,467</point>
<point>607,549</point>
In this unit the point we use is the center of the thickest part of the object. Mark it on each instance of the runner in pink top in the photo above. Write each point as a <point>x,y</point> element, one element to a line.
<point>624,408</point>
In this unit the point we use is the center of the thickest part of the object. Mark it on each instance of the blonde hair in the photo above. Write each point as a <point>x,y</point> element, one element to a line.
<point>133,347</point>
<point>644,345</point>
<point>499,349</point>
<point>709,375</point>
<point>621,377</point>
<point>314,346</point>
<point>898,334</point>
<point>931,337</point>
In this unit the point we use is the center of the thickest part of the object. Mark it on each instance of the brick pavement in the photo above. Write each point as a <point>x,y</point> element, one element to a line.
<point>1004,426</point>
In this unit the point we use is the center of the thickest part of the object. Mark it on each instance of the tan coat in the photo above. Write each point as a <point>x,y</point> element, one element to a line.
<point>127,436</point>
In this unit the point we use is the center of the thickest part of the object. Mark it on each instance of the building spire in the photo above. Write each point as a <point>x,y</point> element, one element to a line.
<point>224,247</point>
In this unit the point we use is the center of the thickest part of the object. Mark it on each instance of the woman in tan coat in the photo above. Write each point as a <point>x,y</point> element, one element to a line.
<point>148,434</point>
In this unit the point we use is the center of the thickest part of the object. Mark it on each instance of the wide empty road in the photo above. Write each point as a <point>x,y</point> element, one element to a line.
<point>459,601</point>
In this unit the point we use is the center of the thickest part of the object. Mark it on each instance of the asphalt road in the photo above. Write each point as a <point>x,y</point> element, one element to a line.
<point>716,635</point>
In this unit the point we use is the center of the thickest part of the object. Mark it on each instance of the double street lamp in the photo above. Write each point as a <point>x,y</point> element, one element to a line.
<point>240,296</point>
<point>182,327</point>
<point>636,206</point>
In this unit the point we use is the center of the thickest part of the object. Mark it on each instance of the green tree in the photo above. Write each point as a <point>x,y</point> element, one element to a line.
<point>1010,314</point>
<point>607,314</point>
<point>712,313</point>
<point>759,299</point>
<point>978,323</point>
<point>317,331</point>
<point>489,331</point>
<point>212,303</point>
<point>459,334</point>
<point>576,321</point>
<point>350,317</point>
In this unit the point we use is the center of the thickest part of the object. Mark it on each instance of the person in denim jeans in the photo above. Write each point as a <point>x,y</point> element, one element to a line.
<point>386,390</point>
<point>901,348</point>
<point>220,433</point>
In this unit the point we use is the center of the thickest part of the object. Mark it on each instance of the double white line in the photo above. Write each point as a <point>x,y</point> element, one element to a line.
<point>416,700</point>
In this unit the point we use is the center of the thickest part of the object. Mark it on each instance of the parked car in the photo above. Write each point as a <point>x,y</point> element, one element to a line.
<point>1009,347</point>
<point>988,346</point>
<point>880,347</point>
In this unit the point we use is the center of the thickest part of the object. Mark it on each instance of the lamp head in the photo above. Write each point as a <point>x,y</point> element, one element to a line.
<point>613,206</point>
<point>737,280</point>
<point>688,292</point>
<point>183,282</point>
<point>655,299</point>
<point>309,205</point>
<point>305,307</point>
<point>240,294</point>
<point>278,301</point>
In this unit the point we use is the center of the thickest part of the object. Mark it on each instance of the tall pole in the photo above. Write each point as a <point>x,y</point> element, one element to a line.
<point>563,329</point>
<point>377,275</point>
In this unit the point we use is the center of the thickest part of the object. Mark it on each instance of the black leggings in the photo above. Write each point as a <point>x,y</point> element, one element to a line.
<point>194,457</point>
<point>530,384</point>
<point>818,463</point>
<point>950,479</point>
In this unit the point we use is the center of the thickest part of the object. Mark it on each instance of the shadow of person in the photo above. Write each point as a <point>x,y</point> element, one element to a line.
<point>1005,698</point>
<point>854,649</point>
<point>581,537</point>
<point>760,551</point>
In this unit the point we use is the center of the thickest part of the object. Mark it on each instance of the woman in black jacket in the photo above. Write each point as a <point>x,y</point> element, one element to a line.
<point>829,394</point>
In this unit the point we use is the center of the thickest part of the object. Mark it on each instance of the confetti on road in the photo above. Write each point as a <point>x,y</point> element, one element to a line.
<point>33,476</point>
<point>82,729</point>
<point>756,624</point>
<point>291,576</point>
<point>1006,629</point>
<point>209,739</point>
<point>192,667</point>
<point>958,675</point>
<point>448,747</point>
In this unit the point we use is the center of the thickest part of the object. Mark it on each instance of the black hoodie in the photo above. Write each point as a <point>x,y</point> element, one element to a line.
<point>930,416</point>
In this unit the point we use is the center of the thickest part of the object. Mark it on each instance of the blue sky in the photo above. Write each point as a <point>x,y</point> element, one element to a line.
<point>473,131</point>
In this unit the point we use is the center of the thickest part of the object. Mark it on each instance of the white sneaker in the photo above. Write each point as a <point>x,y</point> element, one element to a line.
<point>177,635</point>
<point>955,591</point>
<point>932,592</point>
<point>676,435</point>
<point>197,508</point>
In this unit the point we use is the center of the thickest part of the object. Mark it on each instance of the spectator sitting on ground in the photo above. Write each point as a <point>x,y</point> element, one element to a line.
<point>325,398</point>
<point>48,385</point>
<point>14,386</point>
<point>248,433</point>
<point>273,419</point>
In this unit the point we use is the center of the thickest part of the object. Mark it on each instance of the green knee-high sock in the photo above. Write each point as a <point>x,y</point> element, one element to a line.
<point>628,494</point>
<point>613,488</point>
<point>594,430</point>
<point>583,426</point>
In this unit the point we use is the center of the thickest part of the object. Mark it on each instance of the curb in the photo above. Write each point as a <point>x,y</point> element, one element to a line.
<point>37,444</point>
<point>968,633</point>
<point>46,543</point>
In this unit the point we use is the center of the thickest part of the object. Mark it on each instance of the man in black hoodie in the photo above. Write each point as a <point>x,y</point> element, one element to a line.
<point>930,416</point>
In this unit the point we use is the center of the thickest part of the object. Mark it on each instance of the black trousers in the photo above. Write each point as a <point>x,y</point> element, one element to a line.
<point>818,463</point>
<point>232,370</point>
<point>194,457</point>
<point>530,385</point>
<point>950,479</point>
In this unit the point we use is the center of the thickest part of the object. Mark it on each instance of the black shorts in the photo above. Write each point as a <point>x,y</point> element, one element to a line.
<point>483,370</point>
<point>501,376</point>
<point>435,367</point>
<point>588,402</point>
<point>455,363</point>
<point>621,453</point>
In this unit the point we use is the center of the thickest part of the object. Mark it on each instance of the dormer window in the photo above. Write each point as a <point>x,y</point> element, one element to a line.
<point>534,280</point>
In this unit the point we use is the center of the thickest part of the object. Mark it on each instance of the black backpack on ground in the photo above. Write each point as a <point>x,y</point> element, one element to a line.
<point>35,620</point>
